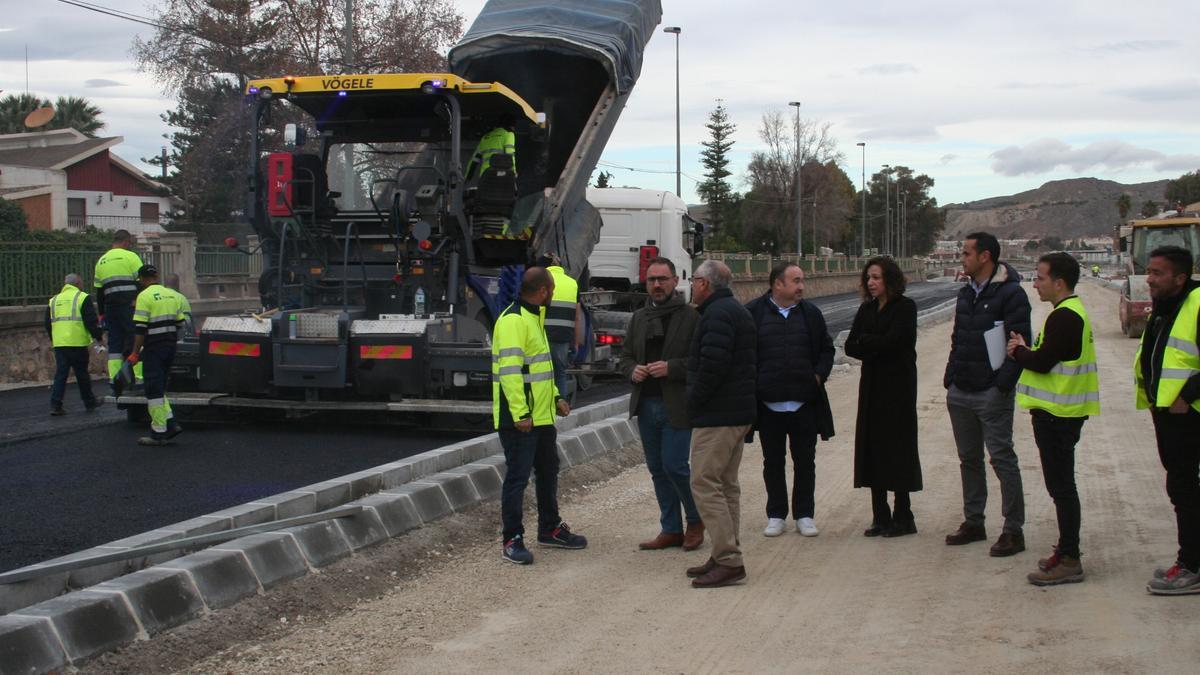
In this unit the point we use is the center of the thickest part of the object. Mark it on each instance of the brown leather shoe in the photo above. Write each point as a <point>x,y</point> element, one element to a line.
<point>966,534</point>
<point>1008,544</point>
<point>693,537</point>
<point>663,540</point>
<point>720,575</point>
<point>701,570</point>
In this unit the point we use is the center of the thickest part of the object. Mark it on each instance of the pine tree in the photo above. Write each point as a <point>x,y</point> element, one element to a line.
<point>715,190</point>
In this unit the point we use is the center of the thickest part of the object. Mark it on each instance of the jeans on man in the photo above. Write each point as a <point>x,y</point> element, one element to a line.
<point>1180,454</point>
<point>982,418</point>
<point>778,430</point>
<point>67,359</point>
<point>1056,438</point>
<point>536,452</point>
<point>667,451</point>
<point>560,356</point>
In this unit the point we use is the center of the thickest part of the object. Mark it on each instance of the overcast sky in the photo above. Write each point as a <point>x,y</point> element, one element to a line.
<point>987,98</point>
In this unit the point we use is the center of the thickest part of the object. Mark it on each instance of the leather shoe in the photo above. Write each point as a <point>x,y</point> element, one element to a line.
<point>900,529</point>
<point>693,537</point>
<point>720,575</point>
<point>663,540</point>
<point>701,570</point>
<point>966,534</point>
<point>875,530</point>
<point>1008,544</point>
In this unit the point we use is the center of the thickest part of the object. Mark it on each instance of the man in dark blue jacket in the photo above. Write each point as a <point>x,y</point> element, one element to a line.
<point>720,402</point>
<point>980,398</point>
<point>795,357</point>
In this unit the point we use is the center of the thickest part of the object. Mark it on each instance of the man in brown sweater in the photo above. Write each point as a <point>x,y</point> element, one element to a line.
<point>655,361</point>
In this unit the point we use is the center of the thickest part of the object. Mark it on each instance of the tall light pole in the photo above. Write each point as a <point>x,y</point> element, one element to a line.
<point>676,30</point>
<point>862,235</point>
<point>887,210</point>
<point>799,185</point>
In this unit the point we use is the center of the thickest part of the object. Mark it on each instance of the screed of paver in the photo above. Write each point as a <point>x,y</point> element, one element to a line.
<point>837,602</point>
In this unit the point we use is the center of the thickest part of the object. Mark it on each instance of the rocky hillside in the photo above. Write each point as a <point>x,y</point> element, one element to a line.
<point>1078,207</point>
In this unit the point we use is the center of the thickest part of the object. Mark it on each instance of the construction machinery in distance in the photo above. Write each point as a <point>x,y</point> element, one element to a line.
<point>1137,239</point>
<point>389,245</point>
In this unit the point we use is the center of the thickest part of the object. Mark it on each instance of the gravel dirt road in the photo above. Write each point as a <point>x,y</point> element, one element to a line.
<point>838,602</point>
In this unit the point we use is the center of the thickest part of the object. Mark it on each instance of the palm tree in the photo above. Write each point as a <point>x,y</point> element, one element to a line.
<point>77,113</point>
<point>14,108</point>
<point>1124,206</point>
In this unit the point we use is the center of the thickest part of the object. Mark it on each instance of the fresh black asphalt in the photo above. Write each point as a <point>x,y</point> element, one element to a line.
<point>82,480</point>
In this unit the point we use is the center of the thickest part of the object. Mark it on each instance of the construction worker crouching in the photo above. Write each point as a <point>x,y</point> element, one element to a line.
<point>72,325</point>
<point>116,290</point>
<point>524,402</point>
<point>157,317</point>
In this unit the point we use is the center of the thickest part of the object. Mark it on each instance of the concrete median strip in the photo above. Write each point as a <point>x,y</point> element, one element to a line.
<point>121,602</point>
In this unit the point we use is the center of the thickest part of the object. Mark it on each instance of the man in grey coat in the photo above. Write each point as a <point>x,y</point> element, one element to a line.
<point>655,361</point>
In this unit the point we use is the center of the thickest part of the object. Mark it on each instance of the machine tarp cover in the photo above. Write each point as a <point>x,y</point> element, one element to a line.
<point>612,32</point>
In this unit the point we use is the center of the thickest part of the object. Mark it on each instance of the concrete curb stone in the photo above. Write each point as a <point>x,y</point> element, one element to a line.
<point>274,557</point>
<point>160,598</point>
<point>221,577</point>
<point>429,498</point>
<point>290,504</point>
<point>321,543</point>
<point>88,623</point>
<point>458,488</point>
<point>484,477</point>
<point>396,512</point>
<point>29,645</point>
<point>362,529</point>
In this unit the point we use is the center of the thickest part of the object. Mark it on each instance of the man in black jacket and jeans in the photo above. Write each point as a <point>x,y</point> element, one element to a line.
<point>720,402</point>
<point>795,357</point>
<point>979,398</point>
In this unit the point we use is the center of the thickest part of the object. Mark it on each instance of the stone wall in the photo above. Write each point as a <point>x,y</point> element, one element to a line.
<point>27,356</point>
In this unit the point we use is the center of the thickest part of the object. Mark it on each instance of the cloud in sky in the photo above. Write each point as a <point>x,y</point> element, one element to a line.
<point>888,69</point>
<point>100,83</point>
<point>1132,47</point>
<point>947,158</point>
<point>1049,154</point>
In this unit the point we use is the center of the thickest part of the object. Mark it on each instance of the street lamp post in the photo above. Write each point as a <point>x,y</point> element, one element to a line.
<point>676,30</point>
<point>887,210</point>
<point>862,235</point>
<point>799,185</point>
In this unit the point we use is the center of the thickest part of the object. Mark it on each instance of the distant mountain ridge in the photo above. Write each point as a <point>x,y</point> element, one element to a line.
<point>1069,209</point>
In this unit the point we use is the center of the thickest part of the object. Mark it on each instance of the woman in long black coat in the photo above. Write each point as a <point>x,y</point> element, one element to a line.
<point>884,338</point>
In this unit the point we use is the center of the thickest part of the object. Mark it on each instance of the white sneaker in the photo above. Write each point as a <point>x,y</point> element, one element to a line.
<point>774,527</point>
<point>806,527</point>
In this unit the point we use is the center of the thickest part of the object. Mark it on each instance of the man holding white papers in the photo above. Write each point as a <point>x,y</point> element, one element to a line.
<point>980,390</point>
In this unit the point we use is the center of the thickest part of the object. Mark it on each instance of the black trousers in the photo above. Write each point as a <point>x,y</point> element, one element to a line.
<point>536,453</point>
<point>777,431</point>
<point>1056,438</point>
<point>1179,450</point>
<point>882,515</point>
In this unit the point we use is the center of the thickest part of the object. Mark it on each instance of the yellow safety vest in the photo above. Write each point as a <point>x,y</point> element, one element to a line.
<point>1181,358</point>
<point>560,315</point>
<point>522,372</point>
<point>158,314</point>
<point>116,274</point>
<point>498,140</point>
<point>66,318</point>
<point>1071,388</point>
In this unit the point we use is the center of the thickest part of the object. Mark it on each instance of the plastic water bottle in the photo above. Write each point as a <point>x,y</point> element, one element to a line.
<point>419,302</point>
<point>292,326</point>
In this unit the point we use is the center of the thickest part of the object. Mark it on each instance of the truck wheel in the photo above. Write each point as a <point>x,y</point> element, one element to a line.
<point>1124,327</point>
<point>1136,328</point>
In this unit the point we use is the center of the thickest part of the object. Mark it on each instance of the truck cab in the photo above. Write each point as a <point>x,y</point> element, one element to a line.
<point>637,226</point>
<point>1138,239</point>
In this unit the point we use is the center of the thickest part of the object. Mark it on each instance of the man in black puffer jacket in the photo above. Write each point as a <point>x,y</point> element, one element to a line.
<point>795,357</point>
<point>720,397</point>
<point>980,398</point>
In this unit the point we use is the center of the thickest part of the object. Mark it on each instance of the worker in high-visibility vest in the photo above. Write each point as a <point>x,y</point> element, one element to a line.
<point>500,140</point>
<point>157,316</point>
<point>72,325</point>
<point>1167,372</point>
<point>564,321</point>
<point>524,402</point>
<point>116,289</point>
<point>1060,386</point>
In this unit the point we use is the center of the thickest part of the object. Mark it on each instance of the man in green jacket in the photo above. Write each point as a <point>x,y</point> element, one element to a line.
<point>655,361</point>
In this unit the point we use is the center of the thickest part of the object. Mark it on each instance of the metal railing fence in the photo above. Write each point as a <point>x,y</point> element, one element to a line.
<point>212,260</point>
<point>759,265</point>
<point>31,272</point>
